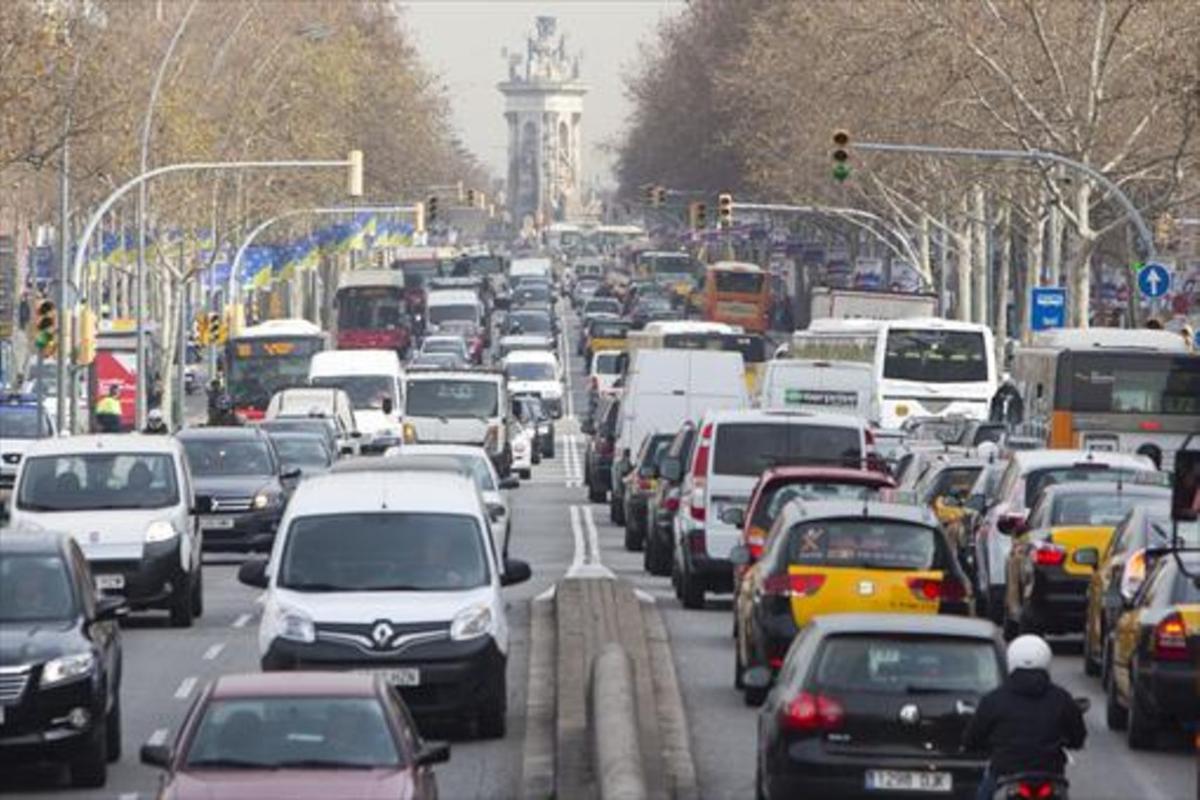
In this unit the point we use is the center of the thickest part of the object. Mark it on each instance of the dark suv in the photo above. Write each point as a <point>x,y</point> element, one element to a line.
<point>663,502</point>
<point>598,458</point>
<point>60,659</point>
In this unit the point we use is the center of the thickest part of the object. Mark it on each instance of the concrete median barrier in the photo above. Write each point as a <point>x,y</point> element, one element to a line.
<point>615,746</point>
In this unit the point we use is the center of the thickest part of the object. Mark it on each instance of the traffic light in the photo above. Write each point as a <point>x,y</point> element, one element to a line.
<point>1164,230</point>
<point>725,210</point>
<point>86,352</point>
<point>470,198</point>
<point>46,327</point>
<point>841,155</point>
<point>201,330</point>
<point>650,194</point>
<point>431,210</point>
<point>216,329</point>
<point>698,216</point>
<point>660,196</point>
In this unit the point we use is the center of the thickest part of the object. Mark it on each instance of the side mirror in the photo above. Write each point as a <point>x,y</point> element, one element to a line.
<point>110,607</point>
<point>495,512</point>
<point>1087,556</point>
<point>254,573</point>
<point>740,556</point>
<point>671,469</point>
<point>203,504</point>
<point>355,434</point>
<point>156,755</point>
<point>290,474</point>
<point>1011,524</point>
<point>515,571</point>
<point>387,406</point>
<point>733,516</point>
<point>430,753</point>
<point>757,678</point>
<point>510,482</point>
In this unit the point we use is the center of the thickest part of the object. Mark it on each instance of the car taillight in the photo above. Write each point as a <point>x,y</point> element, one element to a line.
<point>645,484</point>
<point>1170,638</point>
<point>1035,791</point>
<point>1048,554</point>
<point>700,462</point>
<point>670,501</point>
<point>811,712</point>
<point>696,543</point>
<point>949,589</point>
<point>755,538</point>
<point>795,585</point>
<point>696,506</point>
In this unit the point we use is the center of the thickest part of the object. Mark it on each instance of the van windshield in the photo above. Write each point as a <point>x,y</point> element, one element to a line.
<point>529,371</point>
<point>98,481</point>
<point>439,314</point>
<point>451,398</point>
<point>750,448</point>
<point>376,552</point>
<point>935,356</point>
<point>366,391</point>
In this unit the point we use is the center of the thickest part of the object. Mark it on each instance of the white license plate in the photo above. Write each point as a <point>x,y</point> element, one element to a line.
<point>110,581</point>
<point>402,676</point>
<point>216,523</point>
<point>906,781</point>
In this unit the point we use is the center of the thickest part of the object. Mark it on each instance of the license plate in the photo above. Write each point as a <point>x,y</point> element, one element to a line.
<point>110,581</point>
<point>216,523</point>
<point>402,676</point>
<point>905,781</point>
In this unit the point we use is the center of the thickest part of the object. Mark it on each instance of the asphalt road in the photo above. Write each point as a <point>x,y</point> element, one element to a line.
<point>164,669</point>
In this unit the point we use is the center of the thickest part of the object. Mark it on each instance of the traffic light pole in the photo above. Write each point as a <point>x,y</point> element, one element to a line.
<point>1036,156</point>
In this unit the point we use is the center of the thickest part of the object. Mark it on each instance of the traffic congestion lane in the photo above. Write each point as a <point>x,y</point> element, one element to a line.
<point>722,728</point>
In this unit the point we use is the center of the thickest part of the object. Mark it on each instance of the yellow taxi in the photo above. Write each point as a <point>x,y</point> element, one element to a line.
<point>1056,549</point>
<point>827,556</point>
<point>1155,653</point>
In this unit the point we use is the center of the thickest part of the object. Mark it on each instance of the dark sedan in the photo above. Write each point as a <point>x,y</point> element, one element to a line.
<point>60,659</point>
<point>309,735</point>
<point>869,705</point>
<point>304,452</point>
<point>247,488</point>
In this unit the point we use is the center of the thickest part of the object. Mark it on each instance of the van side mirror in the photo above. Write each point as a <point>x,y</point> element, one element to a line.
<point>430,753</point>
<point>156,755</point>
<point>1011,524</point>
<point>254,573</point>
<point>510,482</point>
<point>740,556</point>
<point>515,571</point>
<point>495,512</point>
<point>110,607</point>
<point>203,504</point>
<point>387,405</point>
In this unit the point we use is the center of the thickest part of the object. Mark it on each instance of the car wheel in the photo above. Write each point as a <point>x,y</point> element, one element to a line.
<point>112,724</point>
<point>652,556</point>
<point>492,722</point>
<point>616,509</point>
<point>1106,663</point>
<point>198,593</point>
<point>691,593</point>
<point>1143,726</point>
<point>633,537</point>
<point>596,495</point>
<point>548,450</point>
<point>525,474</point>
<point>90,768</point>
<point>180,609</point>
<point>739,668</point>
<point>1115,715</point>
<point>1091,664</point>
<point>535,454</point>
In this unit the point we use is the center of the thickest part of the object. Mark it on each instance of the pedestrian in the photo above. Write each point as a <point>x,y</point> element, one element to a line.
<point>108,410</point>
<point>24,311</point>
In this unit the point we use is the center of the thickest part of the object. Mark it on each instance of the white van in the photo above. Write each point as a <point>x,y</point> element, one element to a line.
<point>308,401</point>
<point>454,310</point>
<point>733,448</point>
<point>536,372</point>
<point>394,572</point>
<point>373,381</point>
<point>127,500</point>
<point>843,387</point>
<point>529,267</point>
<point>665,388</point>
<point>459,407</point>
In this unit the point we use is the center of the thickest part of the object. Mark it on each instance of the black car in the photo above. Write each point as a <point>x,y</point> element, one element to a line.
<point>598,456</point>
<point>307,452</point>
<point>60,659</point>
<point>321,426</point>
<point>246,486</point>
<point>640,484</point>
<point>528,321</point>
<point>664,502</point>
<point>869,705</point>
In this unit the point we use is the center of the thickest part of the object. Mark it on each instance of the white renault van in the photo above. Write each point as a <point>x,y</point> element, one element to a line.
<point>373,381</point>
<point>127,500</point>
<point>393,572</point>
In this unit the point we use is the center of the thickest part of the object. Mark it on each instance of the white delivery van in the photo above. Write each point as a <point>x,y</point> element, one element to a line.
<point>454,310</point>
<point>373,379</point>
<point>844,387</point>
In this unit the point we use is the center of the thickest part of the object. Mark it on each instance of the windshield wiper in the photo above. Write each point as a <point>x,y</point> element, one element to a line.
<point>315,586</point>
<point>231,763</point>
<point>324,763</point>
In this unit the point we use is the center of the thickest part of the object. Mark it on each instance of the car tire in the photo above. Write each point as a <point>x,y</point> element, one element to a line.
<point>691,593</point>
<point>198,593</point>
<point>535,455</point>
<point>633,538</point>
<point>596,495</point>
<point>89,769</point>
<point>1142,726</point>
<point>525,474</point>
<point>492,722</point>
<point>655,560</point>
<point>548,449</point>
<point>1116,717</point>
<point>1091,664</point>
<point>112,733</point>
<point>739,669</point>
<point>180,607</point>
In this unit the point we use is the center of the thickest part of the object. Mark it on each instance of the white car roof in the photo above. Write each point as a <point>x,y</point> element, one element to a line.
<point>785,417</point>
<point>453,374</point>
<point>1029,460</point>
<point>104,442</point>
<point>354,362</point>
<point>531,357</point>
<point>452,297</point>
<point>366,491</point>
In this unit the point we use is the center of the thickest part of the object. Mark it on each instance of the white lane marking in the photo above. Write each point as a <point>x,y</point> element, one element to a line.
<point>241,621</point>
<point>577,535</point>
<point>644,596</point>
<point>158,737</point>
<point>214,651</point>
<point>593,536</point>
<point>128,796</point>
<point>185,688</point>
<point>571,455</point>
<point>549,593</point>
<point>586,561</point>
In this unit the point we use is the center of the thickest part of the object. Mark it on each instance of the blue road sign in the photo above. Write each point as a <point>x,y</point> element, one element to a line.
<point>1048,308</point>
<point>1154,280</point>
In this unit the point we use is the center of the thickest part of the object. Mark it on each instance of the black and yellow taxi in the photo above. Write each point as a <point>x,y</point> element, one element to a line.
<point>826,556</point>
<point>1155,653</point>
<point>1057,547</point>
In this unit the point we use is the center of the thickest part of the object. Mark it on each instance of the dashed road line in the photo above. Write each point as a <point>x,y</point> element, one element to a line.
<point>214,651</point>
<point>159,736</point>
<point>185,688</point>
<point>585,562</point>
<point>242,619</point>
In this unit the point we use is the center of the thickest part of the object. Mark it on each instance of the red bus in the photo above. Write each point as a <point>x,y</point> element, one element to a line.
<point>372,311</point>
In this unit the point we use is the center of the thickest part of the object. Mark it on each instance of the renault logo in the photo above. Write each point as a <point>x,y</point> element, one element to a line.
<point>382,634</point>
<point>866,588</point>
<point>910,714</point>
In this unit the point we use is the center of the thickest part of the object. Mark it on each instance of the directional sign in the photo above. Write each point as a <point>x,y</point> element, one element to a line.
<point>1048,308</point>
<point>1154,280</point>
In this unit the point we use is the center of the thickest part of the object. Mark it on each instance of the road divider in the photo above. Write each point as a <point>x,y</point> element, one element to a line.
<point>616,746</point>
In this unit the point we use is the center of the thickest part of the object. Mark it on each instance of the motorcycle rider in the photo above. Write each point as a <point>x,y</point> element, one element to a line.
<point>1025,723</point>
<point>155,424</point>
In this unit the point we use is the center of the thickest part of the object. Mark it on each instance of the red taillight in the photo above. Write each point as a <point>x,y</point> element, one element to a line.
<point>700,462</point>
<point>1047,554</point>
<point>1035,791</point>
<point>670,502</point>
<point>775,662</point>
<point>811,712</point>
<point>798,585</point>
<point>696,543</point>
<point>756,550</point>
<point>948,589</point>
<point>696,504</point>
<point>645,484</point>
<point>1170,638</point>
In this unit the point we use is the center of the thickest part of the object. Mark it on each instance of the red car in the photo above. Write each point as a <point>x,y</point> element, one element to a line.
<point>303,735</point>
<point>777,486</point>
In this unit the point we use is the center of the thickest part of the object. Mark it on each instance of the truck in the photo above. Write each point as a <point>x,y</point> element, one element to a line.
<point>829,303</point>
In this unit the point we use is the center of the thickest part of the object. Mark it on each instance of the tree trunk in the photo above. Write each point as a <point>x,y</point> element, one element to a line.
<point>1035,243</point>
<point>962,262</point>
<point>1054,233</point>
<point>980,259</point>
<point>1001,299</point>
<point>1079,265</point>
<point>925,267</point>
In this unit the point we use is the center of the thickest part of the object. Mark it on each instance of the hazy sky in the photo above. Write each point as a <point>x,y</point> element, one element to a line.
<point>462,39</point>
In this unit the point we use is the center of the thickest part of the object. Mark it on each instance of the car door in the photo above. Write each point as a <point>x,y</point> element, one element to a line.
<point>1129,627</point>
<point>104,634</point>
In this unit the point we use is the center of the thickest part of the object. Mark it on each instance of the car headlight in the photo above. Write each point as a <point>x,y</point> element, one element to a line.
<point>296,626</point>
<point>67,668</point>
<point>410,433</point>
<point>266,499</point>
<point>160,531</point>
<point>471,623</point>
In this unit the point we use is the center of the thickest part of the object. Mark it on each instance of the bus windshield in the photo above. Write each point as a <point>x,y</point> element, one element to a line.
<point>370,308</point>
<point>1130,383</point>
<point>260,367</point>
<point>935,356</point>
<point>729,281</point>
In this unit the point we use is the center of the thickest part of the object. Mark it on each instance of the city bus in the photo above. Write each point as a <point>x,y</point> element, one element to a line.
<point>265,358</point>
<point>688,335</point>
<point>737,293</point>
<point>920,367</point>
<point>372,311</point>
<point>1107,389</point>
<point>675,271</point>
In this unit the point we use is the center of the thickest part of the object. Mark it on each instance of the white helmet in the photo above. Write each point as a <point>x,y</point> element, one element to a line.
<point>154,415</point>
<point>1029,652</point>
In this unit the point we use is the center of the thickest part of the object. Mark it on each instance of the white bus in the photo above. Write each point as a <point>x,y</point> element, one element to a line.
<point>922,367</point>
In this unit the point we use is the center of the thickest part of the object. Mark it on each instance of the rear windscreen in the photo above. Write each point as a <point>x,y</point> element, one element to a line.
<point>1040,479</point>
<point>863,543</point>
<point>750,448</point>
<point>903,664</point>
